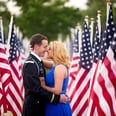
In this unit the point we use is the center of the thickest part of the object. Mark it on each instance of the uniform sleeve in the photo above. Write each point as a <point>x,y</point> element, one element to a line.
<point>33,86</point>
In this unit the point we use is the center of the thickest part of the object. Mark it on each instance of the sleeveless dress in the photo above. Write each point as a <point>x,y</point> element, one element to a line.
<point>60,109</point>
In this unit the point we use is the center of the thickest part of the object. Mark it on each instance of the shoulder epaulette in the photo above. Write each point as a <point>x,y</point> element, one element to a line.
<point>29,62</point>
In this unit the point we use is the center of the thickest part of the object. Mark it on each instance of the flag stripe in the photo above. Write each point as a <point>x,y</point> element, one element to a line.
<point>84,74</point>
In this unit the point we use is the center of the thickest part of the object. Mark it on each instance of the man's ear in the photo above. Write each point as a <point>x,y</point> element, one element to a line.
<point>36,46</point>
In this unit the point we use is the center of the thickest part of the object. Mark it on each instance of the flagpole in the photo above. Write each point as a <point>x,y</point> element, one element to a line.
<point>1,26</point>
<point>99,22</point>
<point>87,19</point>
<point>107,13</point>
<point>9,34</point>
<point>107,0</point>
<point>91,30</point>
<point>10,28</point>
<point>79,27</point>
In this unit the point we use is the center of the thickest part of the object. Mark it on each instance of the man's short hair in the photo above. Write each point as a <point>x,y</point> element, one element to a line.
<point>37,39</point>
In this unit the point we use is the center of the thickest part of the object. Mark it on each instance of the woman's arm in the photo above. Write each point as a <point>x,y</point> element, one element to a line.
<point>59,76</point>
<point>47,62</point>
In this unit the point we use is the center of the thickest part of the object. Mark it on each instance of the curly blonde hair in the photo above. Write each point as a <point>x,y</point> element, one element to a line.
<point>60,53</point>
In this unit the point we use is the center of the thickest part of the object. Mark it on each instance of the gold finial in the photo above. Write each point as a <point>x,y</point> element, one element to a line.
<point>86,17</point>
<point>78,26</point>
<point>92,19</point>
<point>99,12</point>
<point>0,17</point>
<point>11,14</point>
<point>107,1</point>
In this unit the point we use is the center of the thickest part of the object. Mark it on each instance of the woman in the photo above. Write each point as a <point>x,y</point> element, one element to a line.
<point>57,78</point>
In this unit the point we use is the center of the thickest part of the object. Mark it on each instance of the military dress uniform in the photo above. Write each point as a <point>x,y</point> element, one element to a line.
<point>35,95</point>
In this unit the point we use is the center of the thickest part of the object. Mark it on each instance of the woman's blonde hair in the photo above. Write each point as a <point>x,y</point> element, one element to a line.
<point>60,53</point>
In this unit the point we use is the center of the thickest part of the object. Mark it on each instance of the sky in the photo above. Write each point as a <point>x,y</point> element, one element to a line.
<point>75,3</point>
<point>12,8</point>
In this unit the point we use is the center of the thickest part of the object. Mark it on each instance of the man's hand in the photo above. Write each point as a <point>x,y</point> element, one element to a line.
<point>64,98</point>
<point>42,80</point>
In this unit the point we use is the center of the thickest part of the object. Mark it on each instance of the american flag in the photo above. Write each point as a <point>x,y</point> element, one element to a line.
<point>1,87</point>
<point>5,74</point>
<point>96,45</point>
<point>95,107</point>
<point>79,96</point>
<point>96,49</point>
<point>21,51</point>
<point>20,61</point>
<point>104,96</point>
<point>108,34</point>
<point>1,96</point>
<point>75,59</point>
<point>16,97</point>
<point>74,63</point>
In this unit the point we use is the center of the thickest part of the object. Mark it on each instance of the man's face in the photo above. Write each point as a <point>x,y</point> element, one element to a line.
<point>43,48</point>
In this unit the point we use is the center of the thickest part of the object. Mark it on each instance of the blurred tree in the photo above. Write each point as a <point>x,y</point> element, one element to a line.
<point>48,17</point>
<point>51,17</point>
<point>5,16</point>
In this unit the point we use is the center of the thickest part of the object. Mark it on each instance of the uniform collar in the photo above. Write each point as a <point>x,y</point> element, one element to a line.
<point>36,56</point>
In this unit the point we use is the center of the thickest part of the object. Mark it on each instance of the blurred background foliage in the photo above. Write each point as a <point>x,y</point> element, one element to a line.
<point>51,17</point>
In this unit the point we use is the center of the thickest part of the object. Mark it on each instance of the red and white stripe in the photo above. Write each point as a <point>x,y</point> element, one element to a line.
<point>103,96</point>
<point>79,96</point>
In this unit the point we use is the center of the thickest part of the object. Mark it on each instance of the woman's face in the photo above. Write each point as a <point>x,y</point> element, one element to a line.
<point>50,52</point>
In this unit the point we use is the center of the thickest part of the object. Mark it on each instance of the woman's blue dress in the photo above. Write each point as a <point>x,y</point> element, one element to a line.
<point>60,109</point>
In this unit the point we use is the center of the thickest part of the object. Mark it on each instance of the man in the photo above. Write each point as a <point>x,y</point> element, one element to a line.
<point>33,70</point>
